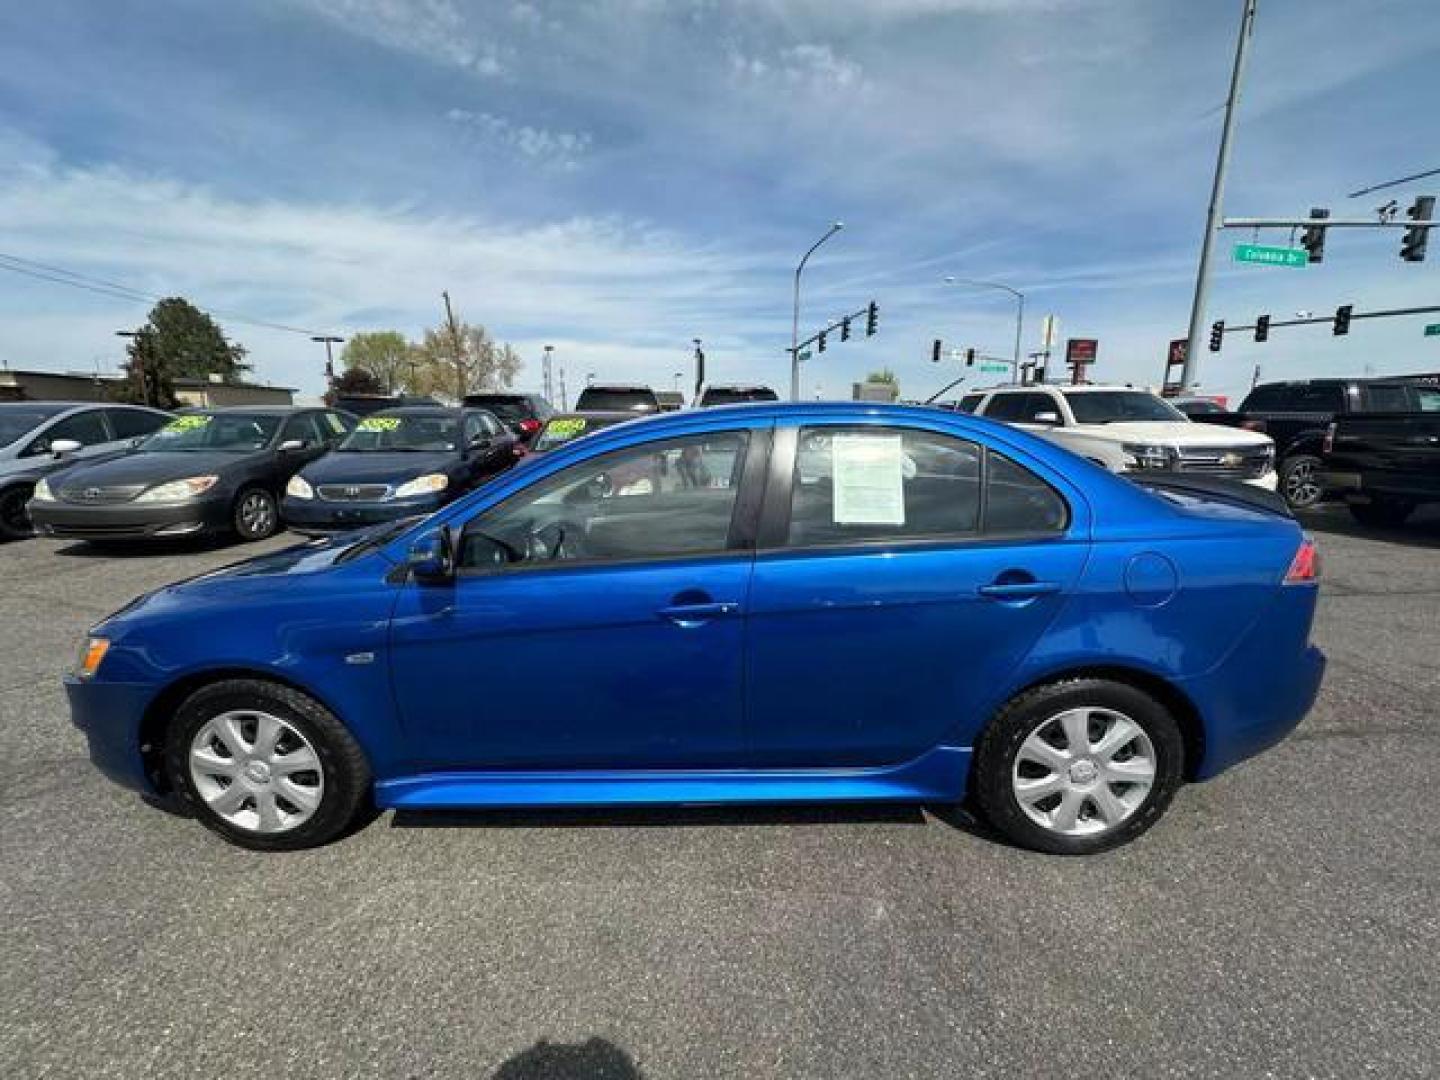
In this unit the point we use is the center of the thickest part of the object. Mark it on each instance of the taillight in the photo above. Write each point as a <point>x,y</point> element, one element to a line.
<point>530,426</point>
<point>519,450</point>
<point>1253,425</point>
<point>1329,443</point>
<point>1306,564</point>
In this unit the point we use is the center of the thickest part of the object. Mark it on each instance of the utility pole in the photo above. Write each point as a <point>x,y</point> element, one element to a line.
<point>456,345</point>
<point>564,398</point>
<point>327,340</point>
<point>547,374</point>
<point>699,367</point>
<point>1217,198</point>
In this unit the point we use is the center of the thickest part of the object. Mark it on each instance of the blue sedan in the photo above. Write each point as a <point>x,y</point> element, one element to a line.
<point>752,604</point>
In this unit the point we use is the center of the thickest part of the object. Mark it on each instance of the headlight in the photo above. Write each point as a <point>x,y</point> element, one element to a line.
<point>1148,456</point>
<point>422,485</point>
<point>42,492</point>
<point>91,653</point>
<point>299,488</point>
<point>178,490</point>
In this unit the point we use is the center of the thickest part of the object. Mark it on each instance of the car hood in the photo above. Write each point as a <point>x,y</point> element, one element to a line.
<point>343,467</point>
<point>1177,432</point>
<point>149,469</point>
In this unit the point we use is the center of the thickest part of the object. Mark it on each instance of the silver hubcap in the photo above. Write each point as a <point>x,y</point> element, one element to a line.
<point>256,771</point>
<point>256,514</point>
<point>1300,486</point>
<point>1083,771</point>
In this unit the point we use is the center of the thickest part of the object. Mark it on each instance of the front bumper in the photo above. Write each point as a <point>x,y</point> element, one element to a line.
<point>110,716</point>
<point>322,517</point>
<point>128,520</point>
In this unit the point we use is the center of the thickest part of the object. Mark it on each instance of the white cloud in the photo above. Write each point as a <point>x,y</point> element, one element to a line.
<point>436,29</point>
<point>541,145</point>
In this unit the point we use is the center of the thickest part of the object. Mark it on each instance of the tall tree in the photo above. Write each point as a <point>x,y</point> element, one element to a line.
<point>484,364</point>
<point>178,340</point>
<point>385,354</point>
<point>355,380</point>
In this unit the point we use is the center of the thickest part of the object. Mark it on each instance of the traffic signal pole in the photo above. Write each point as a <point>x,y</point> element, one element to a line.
<point>1217,198</point>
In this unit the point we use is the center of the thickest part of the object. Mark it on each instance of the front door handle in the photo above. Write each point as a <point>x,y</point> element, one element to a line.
<point>694,614</point>
<point>1018,590</point>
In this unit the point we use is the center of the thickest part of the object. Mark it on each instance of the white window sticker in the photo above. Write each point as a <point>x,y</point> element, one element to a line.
<point>869,476</point>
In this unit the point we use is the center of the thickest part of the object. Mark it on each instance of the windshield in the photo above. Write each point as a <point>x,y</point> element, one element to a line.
<point>207,431</point>
<point>733,396</point>
<point>504,407</point>
<point>602,400</point>
<point>562,429</point>
<point>1120,406</point>
<point>20,422</point>
<point>387,434</point>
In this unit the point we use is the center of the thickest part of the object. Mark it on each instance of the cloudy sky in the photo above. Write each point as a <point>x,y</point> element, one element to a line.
<point>617,177</point>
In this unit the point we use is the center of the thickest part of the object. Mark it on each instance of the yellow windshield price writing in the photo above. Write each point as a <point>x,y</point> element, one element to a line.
<point>379,423</point>
<point>187,423</point>
<point>572,426</point>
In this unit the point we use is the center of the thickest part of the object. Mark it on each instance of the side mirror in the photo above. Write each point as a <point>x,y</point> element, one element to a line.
<point>1046,418</point>
<point>61,447</point>
<point>289,446</point>
<point>431,558</point>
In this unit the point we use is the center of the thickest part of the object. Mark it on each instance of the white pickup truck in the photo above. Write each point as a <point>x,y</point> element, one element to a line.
<point>1128,430</point>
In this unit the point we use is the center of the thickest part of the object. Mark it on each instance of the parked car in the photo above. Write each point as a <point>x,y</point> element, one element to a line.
<point>1199,408</point>
<point>1385,464</point>
<point>38,438</point>
<point>206,471</point>
<point>1130,431</point>
<point>524,414</point>
<point>566,427</point>
<point>1296,415</point>
<point>395,464</point>
<point>617,397</point>
<point>734,395</point>
<point>787,603</point>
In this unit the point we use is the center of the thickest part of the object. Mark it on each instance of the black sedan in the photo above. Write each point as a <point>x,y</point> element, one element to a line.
<point>398,463</point>
<point>207,471</point>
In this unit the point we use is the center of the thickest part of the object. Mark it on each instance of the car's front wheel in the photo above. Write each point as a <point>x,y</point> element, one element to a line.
<point>1077,766</point>
<point>266,766</point>
<point>256,516</point>
<point>14,518</point>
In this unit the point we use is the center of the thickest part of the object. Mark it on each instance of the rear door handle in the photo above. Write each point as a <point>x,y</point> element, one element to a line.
<point>1018,590</point>
<point>688,614</point>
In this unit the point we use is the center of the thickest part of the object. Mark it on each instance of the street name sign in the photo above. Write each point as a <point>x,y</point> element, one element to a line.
<point>1267,255</point>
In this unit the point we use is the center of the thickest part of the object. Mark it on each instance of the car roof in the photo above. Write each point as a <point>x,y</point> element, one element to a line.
<point>593,414</point>
<point>618,386</point>
<point>425,410</point>
<point>738,386</point>
<point>47,408</point>
<point>258,410</point>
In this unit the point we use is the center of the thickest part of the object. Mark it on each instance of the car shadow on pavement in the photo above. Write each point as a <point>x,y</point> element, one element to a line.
<point>606,817</point>
<point>157,548</point>
<point>594,1059</point>
<point>1422,530</point>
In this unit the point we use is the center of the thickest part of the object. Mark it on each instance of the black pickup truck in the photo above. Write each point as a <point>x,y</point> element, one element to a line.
<point>1385,464</point>
<point>1298,414</point>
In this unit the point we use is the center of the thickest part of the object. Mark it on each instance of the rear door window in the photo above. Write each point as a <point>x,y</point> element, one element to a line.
<point>86,428</point>
<point>129,423</point>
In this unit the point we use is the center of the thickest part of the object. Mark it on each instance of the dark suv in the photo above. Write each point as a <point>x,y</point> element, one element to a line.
<point>735,395</point>
<point>617,397</point>
<point>524,414</point>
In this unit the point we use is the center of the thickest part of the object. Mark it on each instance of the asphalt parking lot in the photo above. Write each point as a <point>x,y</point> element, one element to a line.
<point>1281,921</point>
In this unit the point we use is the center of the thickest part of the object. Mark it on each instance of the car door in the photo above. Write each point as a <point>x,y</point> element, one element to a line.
<point>316,443</point>
<point>596,618</point>
<point>500,453</point>
<point>902,574</point>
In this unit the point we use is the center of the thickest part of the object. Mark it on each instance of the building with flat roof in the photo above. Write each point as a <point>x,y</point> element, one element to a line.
<point>28,385</point>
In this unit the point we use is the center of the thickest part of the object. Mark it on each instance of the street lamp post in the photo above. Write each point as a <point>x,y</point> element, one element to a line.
<point>795,322</point>
<point>699,366</point>
<point>1019,314</point>
<point>328,340</point>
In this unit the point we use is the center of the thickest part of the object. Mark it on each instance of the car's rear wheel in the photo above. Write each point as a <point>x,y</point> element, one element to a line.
<point>1382,513</point>
<point>266,766</point>
<point>256,516</point>
<point>1300,481</point>
<point>14,518</point>
<point>1078,766</point>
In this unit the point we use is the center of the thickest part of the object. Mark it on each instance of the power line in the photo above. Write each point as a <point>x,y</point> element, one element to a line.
<point>1392,183</point>
<point>60,276</point>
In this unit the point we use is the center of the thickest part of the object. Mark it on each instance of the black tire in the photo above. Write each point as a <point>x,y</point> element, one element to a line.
<point>993,765</point>
<point>346,774</point>
<point>1299,485</point>
<point>1382,513</point>
<point>263,522</point>
<point>14,519</point>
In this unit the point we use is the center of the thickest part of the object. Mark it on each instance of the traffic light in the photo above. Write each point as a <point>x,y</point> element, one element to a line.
<point>935,352</point>
<point>1342,319</point>
<point>1313,239</point>
<point>1412,247</point>
<point>969,357</point>
<point>845,328</point>
<point>872,316</point>
<point>1217,335</point>
<point>1262,328</point>
<point>821,343</point>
